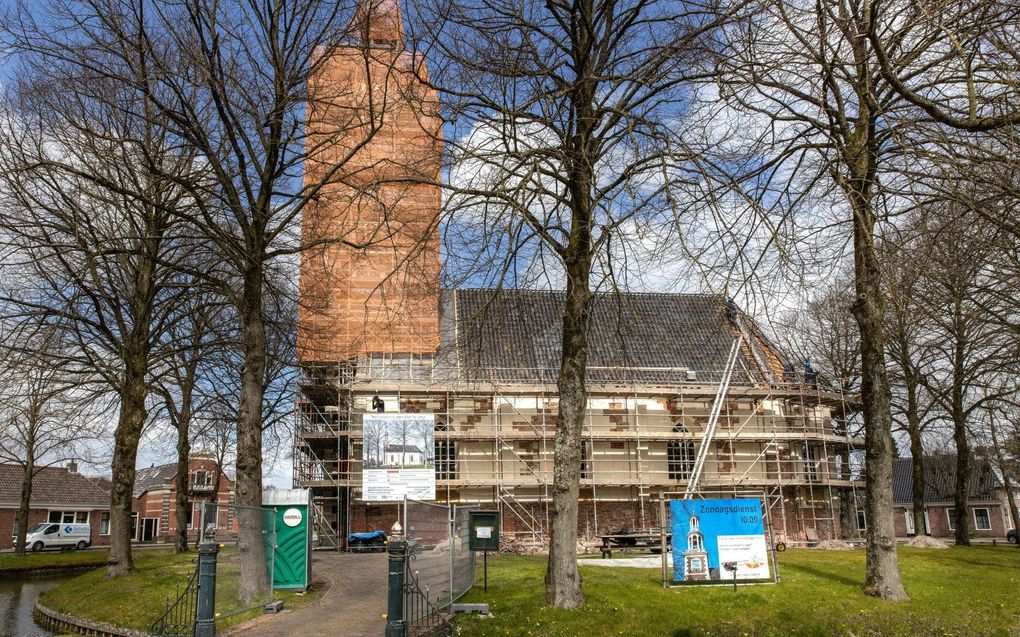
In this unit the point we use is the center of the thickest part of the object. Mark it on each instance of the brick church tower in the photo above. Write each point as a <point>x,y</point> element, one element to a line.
<point>370,281</point>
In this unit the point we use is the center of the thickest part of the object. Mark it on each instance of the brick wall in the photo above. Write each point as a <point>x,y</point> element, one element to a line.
<point>938,520</point>
<point>36,516</point>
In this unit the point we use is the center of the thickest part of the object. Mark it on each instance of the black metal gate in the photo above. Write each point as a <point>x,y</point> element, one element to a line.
<point>421,615</point>
<point>180,616</point>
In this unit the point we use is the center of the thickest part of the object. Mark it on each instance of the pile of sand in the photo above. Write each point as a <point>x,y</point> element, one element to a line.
<point>926,542</point>
<point>834,545</point>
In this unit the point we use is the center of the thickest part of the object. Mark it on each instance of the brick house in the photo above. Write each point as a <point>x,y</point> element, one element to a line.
<point>154,516</point>
<point>59,494</point>
<point>987,506</point>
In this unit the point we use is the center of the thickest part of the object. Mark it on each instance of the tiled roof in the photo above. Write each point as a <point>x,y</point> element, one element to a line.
<point>519,331</point>
<point>155,477</point>
<point>940,479</point>
<point>402,449</point>
<point>52,485</point>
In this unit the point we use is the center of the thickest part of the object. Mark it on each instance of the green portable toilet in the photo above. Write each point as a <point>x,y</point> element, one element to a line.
<point>292,558</point>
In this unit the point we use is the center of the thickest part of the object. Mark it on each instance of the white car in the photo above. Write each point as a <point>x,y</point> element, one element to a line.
<point>58,535</point>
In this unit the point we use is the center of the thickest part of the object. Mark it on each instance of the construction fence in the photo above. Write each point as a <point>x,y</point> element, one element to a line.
<point>223,523</point>
<point>439,559</point>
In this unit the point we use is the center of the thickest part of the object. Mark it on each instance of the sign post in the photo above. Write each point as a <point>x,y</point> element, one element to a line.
<point>484,536</point>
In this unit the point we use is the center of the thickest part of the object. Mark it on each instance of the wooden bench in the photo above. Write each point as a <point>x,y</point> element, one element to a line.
<point>627,542</point>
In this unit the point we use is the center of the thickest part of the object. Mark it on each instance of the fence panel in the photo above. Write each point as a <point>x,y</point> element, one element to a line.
<point>440,568</point>
<point>222,524</point>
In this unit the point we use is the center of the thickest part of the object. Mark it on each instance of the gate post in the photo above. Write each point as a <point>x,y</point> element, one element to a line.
<point>397,550</point>
<point>205,617</point>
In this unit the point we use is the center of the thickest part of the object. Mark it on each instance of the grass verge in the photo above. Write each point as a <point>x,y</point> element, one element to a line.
<point>137,599</point>
<point>11,563</point>
<point>959,591</point>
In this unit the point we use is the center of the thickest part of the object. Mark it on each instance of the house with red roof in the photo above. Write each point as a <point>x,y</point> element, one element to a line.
<point>59,494</point>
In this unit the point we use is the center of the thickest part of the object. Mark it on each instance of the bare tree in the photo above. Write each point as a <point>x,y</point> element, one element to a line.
<point>969,349</point>
<point>823,330</point>
<point>45,414</point>
<point>962,70</point>
<point>190,345</point>
<point>229,81</point>
<point>807,74</point>
<point>906,329</point>
<point>566,129</point>
<point>90,236</point>
<point>1002,458</point>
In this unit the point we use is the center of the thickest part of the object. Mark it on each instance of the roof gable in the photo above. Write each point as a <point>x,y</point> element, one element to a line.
<point>519,333</point>
<point>939,472</point>
<point>52,485</point>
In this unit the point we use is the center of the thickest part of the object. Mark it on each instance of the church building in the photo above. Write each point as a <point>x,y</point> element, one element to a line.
<point>377,332</point>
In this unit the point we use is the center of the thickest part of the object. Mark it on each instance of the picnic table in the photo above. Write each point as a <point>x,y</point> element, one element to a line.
<point>639,541</point>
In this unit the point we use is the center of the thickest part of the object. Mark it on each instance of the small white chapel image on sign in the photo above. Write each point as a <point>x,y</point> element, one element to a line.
<point>399,441</point>
<point>399,455</point>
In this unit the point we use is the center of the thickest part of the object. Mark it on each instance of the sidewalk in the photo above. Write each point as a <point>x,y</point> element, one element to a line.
<point>352,605</point>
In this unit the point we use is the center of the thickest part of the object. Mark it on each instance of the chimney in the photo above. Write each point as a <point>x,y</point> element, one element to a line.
<point>72,466</point>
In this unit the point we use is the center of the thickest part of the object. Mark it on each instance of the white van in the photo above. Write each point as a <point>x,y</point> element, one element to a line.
<point>58,535</point>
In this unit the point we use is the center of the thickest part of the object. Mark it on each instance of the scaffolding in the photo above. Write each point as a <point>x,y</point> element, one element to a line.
<point>643,427</point>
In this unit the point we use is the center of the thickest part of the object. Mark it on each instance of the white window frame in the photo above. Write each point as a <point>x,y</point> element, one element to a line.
<point>927,523</point>
<point>908,517</point>
<point>65,512</point>
<point>101,514</point>
<point>988,515</point>
<point>862,515</point>
<point>949,518</point>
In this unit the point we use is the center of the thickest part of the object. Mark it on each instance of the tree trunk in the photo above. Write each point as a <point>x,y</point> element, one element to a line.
<point>254,580</point>
<point>916,461</point>
<point>26,498</point>
<point>961,490</point>
<point>181,482</point>
<point>125,452</point>
<point>562,579</point>
<point>882,575</point>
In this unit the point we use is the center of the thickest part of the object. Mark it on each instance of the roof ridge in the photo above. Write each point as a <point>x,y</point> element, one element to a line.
<point>707,295</point>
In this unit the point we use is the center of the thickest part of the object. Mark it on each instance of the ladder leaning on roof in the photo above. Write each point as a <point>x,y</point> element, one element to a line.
<point>713,420</point>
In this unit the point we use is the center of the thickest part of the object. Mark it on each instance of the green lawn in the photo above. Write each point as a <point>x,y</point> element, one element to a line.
<point>959,591</point>
<point>9,562</point>
<point>136,600</point>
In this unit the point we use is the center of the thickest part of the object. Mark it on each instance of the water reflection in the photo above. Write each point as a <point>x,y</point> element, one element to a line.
<point>16,601</point>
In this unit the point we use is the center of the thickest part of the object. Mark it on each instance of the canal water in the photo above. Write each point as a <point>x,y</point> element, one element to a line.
<point>17,598</point>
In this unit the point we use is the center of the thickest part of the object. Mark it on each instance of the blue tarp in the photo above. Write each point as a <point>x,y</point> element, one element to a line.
<point>364,537</point>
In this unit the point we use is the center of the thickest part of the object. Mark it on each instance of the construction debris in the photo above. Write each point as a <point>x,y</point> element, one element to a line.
<point>513,546</point>
<point>834,545</point>
<point>927,542</point>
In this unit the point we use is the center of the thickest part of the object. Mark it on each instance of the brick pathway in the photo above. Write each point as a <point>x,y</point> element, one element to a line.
<point>351,606</point>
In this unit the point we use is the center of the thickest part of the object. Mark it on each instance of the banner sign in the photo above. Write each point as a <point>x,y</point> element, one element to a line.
<point>712,538</point>
<point>398,457</point>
